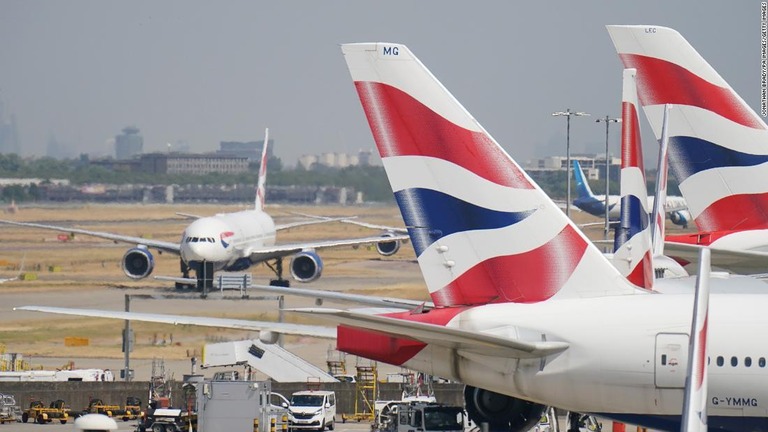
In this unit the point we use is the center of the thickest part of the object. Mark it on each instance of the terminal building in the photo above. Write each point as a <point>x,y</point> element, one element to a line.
<point>188,163</point>
<point>592,165</point>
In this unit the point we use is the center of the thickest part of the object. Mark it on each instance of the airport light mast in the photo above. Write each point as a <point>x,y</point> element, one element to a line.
<point>568,113</point>
<point>607,120</point>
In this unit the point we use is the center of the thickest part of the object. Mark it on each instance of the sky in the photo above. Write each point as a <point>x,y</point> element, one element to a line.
<point>200,72</point>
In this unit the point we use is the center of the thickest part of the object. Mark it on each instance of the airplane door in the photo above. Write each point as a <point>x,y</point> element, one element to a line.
<point>671,362</point>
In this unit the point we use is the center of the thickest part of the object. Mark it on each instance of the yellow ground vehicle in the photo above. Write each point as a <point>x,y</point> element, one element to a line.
<point>38,413</point>
<point>132,409</point>
<point>97,406</point>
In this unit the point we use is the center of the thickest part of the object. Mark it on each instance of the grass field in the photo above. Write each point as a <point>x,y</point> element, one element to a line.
<point>85,272</point>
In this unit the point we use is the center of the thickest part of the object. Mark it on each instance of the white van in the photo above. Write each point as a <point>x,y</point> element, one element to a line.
<point>312,409</point>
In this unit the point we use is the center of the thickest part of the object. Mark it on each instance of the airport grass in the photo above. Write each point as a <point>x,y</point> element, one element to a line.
<point>84,266</point>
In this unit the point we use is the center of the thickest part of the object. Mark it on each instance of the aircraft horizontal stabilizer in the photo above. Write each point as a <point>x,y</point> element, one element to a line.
<point>736,261</point>
<point>261,326</point>
<point>454,338</point>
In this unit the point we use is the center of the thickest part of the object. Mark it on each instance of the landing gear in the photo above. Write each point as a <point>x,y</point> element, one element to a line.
<point>278,270</point>
<point>184,268</point>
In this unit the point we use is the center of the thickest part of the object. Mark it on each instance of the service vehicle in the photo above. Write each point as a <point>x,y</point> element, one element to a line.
<point>38,413</point>
<point>312,409</point>
<point>421,416</point>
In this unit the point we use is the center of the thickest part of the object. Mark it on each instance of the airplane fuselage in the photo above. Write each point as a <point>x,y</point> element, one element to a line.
<point>228,238</point>
<point>627,357</point>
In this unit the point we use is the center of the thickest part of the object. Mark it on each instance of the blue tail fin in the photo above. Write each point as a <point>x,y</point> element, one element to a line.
<point>581,181</point>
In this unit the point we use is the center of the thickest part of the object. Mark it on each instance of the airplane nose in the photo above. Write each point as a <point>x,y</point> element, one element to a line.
<point>198,249</point>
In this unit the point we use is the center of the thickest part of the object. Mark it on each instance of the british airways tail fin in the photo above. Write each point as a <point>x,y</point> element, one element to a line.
<point>694,417</point>
<point>582,185</point>
<point>718,146</point>
<point>483,231</point>
<point>262,182</point>
<point>632,242</point>
<point>658,215</point>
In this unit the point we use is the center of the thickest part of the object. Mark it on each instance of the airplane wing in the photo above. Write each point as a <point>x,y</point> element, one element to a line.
<point>346,297</point>
<point>261,326</point>
<point>375,226</point>
<point>316,220</point>
<point>265,253</point>
<point>455,338</point>
<point>736,261</point>
<point>390,302</point>
<point>156,244</point>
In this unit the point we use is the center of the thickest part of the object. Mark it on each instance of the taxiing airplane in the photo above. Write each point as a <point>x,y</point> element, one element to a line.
<point>593,204</point>
<point>233,242</point>
<point>528,312</point>
<point>718,146</point>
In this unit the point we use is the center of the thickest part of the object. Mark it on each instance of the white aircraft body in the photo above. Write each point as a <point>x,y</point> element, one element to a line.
<point>233,242</point>
<point>527,311</point>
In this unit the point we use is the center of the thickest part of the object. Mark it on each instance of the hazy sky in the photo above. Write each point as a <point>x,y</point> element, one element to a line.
<point>206,71</point>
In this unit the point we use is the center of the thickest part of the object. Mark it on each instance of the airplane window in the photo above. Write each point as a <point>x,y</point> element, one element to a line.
<point>709,360</point>
<point>734,361</point>
<point>761,362</point>
<point>747,361</point>
<point>720,360</point>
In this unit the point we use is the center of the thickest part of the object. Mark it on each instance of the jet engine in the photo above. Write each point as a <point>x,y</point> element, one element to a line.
<point>388,248</point>
<point>501,412</point>
<point>680,218</point>
<point>138,262</point>
<point>306,266</point>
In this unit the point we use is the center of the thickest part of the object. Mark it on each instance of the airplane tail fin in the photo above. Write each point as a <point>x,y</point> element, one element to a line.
<point>658,217</point>
<point>262,182</point>
<point>718,146</point>
<point>483,231</point>
<point>582,185</point>
<point>632,243</point>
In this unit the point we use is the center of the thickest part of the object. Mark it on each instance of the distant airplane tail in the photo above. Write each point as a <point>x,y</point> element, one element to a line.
<point>483,231</point>
<point>262,182</point>
<point>582,185</point>
<point>658,216</point>
<point>718,146</point>
<point>632,242</point>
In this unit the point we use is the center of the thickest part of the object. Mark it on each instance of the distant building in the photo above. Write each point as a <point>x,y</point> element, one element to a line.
<point>336,160</point>
<point>251,149</point>
<point>592,165</point>
<point>186,163</point>
<point>129,143</point>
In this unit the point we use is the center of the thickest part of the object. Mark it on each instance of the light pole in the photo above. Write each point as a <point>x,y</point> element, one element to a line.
<point>568,113</point>
<point>607,120</point>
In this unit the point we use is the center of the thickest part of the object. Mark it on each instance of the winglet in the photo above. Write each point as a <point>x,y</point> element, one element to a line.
<point>262,182</point>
